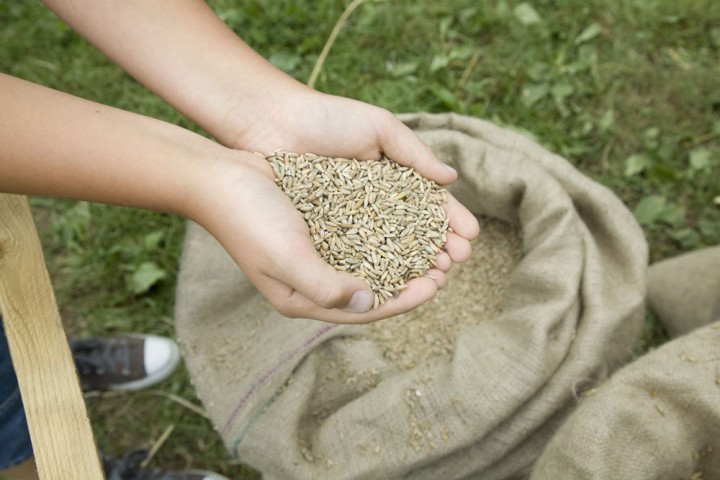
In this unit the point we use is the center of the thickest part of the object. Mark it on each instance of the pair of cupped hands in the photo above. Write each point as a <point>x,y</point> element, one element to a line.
<point>258,225</point>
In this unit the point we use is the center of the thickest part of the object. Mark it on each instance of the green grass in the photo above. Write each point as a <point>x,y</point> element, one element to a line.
<point>626,90</point>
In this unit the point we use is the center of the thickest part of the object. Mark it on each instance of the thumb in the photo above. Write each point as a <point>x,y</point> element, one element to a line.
<point>402,145</point>
<point>325,286</point>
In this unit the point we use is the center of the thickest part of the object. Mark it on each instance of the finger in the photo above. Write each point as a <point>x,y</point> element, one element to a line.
<point>438,276</point>
<point>305,272</point>
<point>443,262</point>
<point>402,145</point>
<point>457,248</point>
<point>418,291</point>
<point>462,221</point>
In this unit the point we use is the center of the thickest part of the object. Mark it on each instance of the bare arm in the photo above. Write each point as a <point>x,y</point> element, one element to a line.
<point>54,144</point>
<point>186,54</point>
<point>183,52</point>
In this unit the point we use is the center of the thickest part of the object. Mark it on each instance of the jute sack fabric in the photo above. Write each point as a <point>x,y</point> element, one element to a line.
<point>657,418</point>
<point>684,291</point>
<point>302,399</point>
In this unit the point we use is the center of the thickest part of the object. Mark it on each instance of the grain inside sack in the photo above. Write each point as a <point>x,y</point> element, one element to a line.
<point>376,219</point>
<point>415,340</point>
<point>474,294</point>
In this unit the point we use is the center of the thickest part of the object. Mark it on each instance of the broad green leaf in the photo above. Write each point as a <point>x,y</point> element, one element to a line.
<point>607,120</point>
<point>526,14</point>
<point>404,68</point>
<point>153,239</point>
<point>445,96</point>
<point>562,90</point>
<point>439,62</point>
<point>655,209</point>
<point>539,71</point>
<point>592,31</point>
<point>637,163</point>
<point>687,238</point>
<point>463,52</point>
<point>231,15</point>
<point>700,159</point>
<point>650,137</point>
<point>673,215</point>
<point>649,209</point>
<point>710,228</point>
<point>145,277</point>
<point>444,25</point>
<point>532,93</point>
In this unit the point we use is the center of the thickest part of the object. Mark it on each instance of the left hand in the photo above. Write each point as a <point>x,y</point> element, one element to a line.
<point>304,120</point>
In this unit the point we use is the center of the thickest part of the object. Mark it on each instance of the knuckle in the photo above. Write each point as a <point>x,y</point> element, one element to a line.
<point>287,309</point>
<point>328,296</point>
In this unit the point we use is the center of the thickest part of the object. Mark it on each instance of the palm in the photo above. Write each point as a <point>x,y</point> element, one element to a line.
<point>268,239</point>
<point>320,124</point>
<point>277,253</point>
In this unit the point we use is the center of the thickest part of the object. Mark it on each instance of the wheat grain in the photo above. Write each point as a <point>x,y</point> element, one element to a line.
<point>376,219</point>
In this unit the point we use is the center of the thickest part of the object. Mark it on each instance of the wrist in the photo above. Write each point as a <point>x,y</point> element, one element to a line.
<point>222,183</point>
<point>261,111</point>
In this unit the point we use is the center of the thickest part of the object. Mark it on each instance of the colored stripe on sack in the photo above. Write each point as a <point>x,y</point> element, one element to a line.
<point>269,374</point>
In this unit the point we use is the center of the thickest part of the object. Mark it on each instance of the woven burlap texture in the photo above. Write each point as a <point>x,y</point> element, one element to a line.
<point>658,418</point>
<point>684,291</point>
<point>300,399</point>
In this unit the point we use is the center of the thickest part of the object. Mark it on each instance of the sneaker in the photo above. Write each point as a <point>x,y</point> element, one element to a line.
<point>129,469</point>
<point>131,362</point>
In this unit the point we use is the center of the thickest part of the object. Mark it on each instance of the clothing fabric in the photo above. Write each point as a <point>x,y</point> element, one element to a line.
<point>14,434</point>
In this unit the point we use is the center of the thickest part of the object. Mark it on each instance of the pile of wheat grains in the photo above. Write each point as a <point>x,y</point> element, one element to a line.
<point>376,219</point>
<point>384,223</point>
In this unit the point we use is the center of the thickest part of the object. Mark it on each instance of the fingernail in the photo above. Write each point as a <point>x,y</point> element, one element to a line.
<point>449,168</point>
<point>361,302</point>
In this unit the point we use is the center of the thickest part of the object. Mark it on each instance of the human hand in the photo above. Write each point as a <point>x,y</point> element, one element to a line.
<point>336,126</point>
<point>206,72</point>
<point>255,222</point>
<point>303,120</point>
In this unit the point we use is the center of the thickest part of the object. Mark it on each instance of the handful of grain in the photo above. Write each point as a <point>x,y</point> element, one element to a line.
<point>376,219</point>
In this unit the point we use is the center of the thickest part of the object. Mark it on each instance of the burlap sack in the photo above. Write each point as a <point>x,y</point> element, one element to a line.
<point>657,418</point>
<point>684,291</point>
<point>572,314</point>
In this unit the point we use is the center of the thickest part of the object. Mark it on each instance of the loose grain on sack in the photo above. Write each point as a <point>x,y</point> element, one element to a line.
<point>474,293</point>
<point>375,219</point>
<point>384,223</point>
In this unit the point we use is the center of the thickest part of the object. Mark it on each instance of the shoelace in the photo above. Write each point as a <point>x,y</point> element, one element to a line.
<point>96,357</point>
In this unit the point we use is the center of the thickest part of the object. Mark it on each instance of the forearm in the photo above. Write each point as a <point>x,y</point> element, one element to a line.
<point>54,144</point>
<point>183,52</point>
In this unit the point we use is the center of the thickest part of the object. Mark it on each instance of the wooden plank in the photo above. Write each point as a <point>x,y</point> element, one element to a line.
<point>59,426</point>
